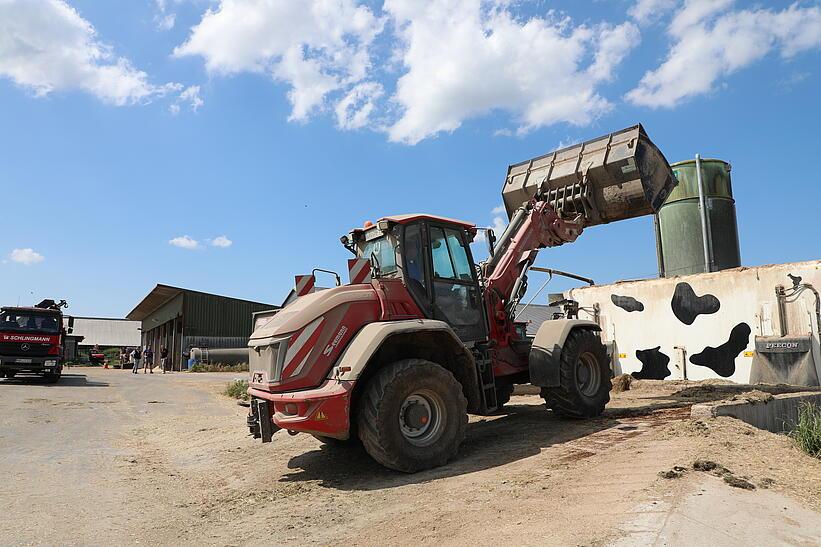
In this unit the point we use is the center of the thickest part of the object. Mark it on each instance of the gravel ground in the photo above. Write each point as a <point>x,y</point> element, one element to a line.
<point>105,457</point>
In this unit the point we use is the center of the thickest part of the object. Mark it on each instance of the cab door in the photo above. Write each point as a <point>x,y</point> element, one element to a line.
<point>456,298</point>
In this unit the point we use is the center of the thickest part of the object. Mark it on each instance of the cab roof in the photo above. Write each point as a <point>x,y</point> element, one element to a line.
<point>29,309</point>
<point>406,219</point>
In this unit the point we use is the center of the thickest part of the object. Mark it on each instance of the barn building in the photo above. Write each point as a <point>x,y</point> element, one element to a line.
<point>180,319</point>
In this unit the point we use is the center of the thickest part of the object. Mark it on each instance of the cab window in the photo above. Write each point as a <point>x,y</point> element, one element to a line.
<point>450,260</point>
<point>442,265</point>
<point>382,250</point>
<point>460,258</point>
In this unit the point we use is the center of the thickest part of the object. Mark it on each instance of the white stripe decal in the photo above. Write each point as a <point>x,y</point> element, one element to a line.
<point>293,349</point>
<point>299,368</point>
<point>356,267</point>
<point>304,284</point>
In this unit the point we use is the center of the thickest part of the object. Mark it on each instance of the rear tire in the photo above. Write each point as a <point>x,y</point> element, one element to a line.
<point>584,376</point>
<point>412,416</point>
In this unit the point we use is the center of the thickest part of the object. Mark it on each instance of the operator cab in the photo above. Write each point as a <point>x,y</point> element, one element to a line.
<point>431,255</point>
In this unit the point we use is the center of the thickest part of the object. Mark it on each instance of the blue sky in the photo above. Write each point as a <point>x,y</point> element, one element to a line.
<point>279,125</point>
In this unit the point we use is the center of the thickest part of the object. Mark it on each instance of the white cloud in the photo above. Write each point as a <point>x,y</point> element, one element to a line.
<point>167,21</point>
<point>190,95</point>
<point>185,242</point>
<point>221,241</point>
<point>354,110</point>
<point>315,46</point>
<point>712,41</point>
<point>498,223</point>
<point>27,256</point>
<point>467,58</point>
<point>164,20</point>
<point>646,11</point>
<point>46,46</point>
<point>440,62</point>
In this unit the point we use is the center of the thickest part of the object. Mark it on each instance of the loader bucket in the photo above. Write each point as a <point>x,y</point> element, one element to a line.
<point>615,177</point>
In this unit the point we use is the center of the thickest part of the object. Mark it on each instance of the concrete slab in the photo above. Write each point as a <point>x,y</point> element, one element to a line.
<point>717,514</point>
<point>775,414</point>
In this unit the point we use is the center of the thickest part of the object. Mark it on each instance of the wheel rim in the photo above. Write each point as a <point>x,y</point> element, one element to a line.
<point>588,374</point>
<point>422,417</point>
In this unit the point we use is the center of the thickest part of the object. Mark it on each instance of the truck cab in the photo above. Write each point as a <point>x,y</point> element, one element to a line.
<point>31,341</point>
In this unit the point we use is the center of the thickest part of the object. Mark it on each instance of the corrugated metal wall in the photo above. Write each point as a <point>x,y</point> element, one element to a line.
<point>212,315</point>
<point>164,313</point>
<point>107,332</point>
<point>221,342</point>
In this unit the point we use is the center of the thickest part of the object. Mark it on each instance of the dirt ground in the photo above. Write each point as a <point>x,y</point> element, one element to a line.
<point>108,458</point>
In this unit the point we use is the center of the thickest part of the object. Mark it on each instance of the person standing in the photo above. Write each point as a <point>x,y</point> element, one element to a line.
<point>164,358</point>
<point>136,355</point>
<point>148,360</point>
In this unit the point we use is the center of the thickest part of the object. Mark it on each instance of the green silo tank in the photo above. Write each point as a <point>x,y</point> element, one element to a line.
<point>679,227</point>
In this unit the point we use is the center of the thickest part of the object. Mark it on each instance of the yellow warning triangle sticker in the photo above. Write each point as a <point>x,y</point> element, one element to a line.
<point>320,416</point>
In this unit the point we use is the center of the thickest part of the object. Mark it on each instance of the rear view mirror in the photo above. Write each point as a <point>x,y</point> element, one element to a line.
<point>490,237</point>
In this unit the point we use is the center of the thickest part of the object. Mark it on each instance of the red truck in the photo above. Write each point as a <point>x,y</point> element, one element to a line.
<point>32,340</point>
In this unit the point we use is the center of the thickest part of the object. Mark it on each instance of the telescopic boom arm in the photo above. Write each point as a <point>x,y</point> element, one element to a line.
<point>552,198</point>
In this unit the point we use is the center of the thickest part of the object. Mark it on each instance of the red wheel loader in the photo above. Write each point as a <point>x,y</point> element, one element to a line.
<point>422,336</point>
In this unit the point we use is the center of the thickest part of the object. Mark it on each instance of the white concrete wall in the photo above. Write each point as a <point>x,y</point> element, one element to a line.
<point>746,295</point>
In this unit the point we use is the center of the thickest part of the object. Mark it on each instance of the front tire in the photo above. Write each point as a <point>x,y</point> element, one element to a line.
<point>412,416</point>
<point>52,377</point>
<point>584,375</point>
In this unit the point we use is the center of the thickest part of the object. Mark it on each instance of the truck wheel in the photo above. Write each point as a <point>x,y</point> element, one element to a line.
<point>52,378</point>
<point>412,416</point>
<point>584,375</point>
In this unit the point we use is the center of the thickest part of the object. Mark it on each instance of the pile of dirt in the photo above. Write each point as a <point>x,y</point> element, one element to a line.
<point>737,482</point>
<point>754,396</point>
<point>622,383</point>
<point>728,476</point>
<point>746,457</point>
<point>675,473</point>
<point>704,465</point>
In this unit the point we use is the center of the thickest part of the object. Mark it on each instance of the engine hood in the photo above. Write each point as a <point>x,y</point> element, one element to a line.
<point>306,309</point>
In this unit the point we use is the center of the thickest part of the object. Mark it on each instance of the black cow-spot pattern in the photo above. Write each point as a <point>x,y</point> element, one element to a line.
<point>627,303</point>
<point>722,359</point>
<point>653,364</point>
<point>687,306</point>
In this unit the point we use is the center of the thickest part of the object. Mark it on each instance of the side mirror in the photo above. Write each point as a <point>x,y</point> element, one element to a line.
<point>490,237</point>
